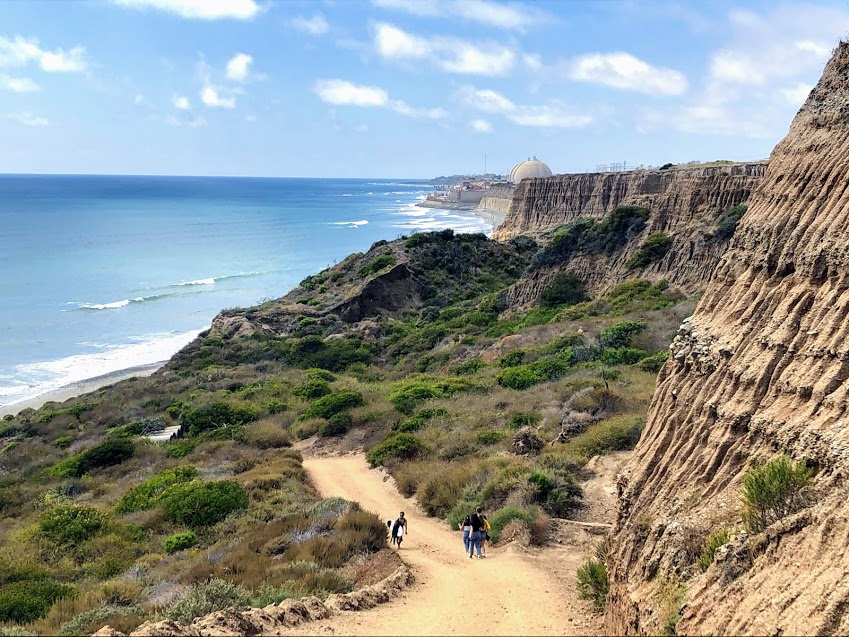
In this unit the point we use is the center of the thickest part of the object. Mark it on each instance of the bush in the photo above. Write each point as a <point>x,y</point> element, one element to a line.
<point>312,388</point>
<point>361,532</point>
<point>565,289</point>
<point>726,224</point>
<point>410,395</point>
<point>26,601</point>
<point>337,425</point>
<point>180,542</point>
<point>654,248</point>
<point>525,376</point>
<point>207,598</point>
<point>113,451</point>
<point>712,543</point>
<point>198,504</point>
<point>275,406</point>
<point>623,356</point>
<point>68,524</point>
<point>614,434</point>
<point>773,491</point>
<point>490,436</point>
<point>621,334</point>
<point>667,166</point>
<point>383,261</point>
<point>502,517</point>
<point>654,362</point>
<point>333,404</point>
<point>471,366</point>
<point>593,583</point>
<point>63,442</point>
<point>512,359</point>
<point>146,495</point>
<point>214,416</point>
<point>523,419</point>
<point>397,445</point>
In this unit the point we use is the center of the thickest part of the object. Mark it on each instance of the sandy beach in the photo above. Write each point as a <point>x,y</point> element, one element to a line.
<point>494,217</point>
<point>81,387</point>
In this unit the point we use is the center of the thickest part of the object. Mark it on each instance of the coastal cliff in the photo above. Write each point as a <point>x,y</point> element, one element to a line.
<point>760,370</point>
<point>684,204</point>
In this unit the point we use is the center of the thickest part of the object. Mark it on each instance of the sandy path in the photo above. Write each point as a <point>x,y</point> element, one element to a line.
<point>508,593</point>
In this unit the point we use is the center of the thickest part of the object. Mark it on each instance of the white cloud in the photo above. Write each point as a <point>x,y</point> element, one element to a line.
<point>486,12</point>
<point>361,128</point>
<point>28,119</point>
<point>554,114</point>
<point>18,84</point>
<point>624,71</point>
<point>198,9</point>
<point>344,93</point>
<point>449,54</point>
<point>315,25</point>
<point>138,100</point>
<point>237,67</point>
<point>481,126</point>
<point>211,98</point>
<point>796,95</point>
<point>181,102</point>
<point>21,51</point>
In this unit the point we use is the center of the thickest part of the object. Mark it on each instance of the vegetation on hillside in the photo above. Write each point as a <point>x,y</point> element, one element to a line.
<point>466,401</point>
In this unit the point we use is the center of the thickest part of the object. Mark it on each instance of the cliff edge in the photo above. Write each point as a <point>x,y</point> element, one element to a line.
<point>759,370</point>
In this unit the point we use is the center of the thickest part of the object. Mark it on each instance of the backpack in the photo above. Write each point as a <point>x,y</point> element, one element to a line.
<point>486,526</point>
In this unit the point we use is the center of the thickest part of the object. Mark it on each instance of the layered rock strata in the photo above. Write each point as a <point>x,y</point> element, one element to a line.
<point>759,370</point>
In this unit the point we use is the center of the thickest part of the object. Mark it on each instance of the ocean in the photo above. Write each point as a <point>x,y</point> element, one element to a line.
<point>102,273</point>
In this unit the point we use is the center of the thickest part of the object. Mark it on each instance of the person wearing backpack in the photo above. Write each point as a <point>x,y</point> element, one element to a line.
<point>476,520</point>
<point>466,527</point>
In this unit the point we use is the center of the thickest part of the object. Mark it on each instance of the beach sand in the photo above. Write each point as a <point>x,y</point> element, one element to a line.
<point>494,217</point>
<point>81,387</point>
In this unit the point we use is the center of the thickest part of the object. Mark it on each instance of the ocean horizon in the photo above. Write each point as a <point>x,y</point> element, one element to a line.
<point>106,272</point>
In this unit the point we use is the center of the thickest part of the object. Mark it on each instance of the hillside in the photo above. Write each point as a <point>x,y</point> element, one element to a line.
<point>742,463</point>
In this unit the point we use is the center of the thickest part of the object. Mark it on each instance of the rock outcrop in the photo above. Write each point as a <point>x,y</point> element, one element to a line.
<point>683,203</point>
<point>760,369</point>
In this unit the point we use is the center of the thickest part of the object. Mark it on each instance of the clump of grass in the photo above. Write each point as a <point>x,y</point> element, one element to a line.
<point>593,583</point>
<point>180,542</point>
<point>772,491</point>
<point>614,434</point>
<point>712,543</point>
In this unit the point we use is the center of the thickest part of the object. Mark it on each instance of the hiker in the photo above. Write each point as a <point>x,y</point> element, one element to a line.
<point>466,527</point>
<point>399,529</point>
<point>476,520</point>
<point>484,533</point>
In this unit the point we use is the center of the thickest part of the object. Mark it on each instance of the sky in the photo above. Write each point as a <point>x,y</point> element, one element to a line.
<point>400,88</point>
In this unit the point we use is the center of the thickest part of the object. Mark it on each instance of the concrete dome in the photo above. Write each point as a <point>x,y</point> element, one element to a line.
<point>531,168</point>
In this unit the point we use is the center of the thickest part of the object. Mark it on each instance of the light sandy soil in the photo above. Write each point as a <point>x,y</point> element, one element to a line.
<point>514,591</point>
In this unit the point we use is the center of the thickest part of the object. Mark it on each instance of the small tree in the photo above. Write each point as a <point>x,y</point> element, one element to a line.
<point>565,289</point>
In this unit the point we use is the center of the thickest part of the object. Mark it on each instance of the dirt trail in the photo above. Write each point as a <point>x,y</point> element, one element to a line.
<point>511,592</point>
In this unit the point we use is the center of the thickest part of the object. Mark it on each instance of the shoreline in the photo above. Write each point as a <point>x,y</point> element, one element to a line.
<point>493,216</point>
<point>81,387</point>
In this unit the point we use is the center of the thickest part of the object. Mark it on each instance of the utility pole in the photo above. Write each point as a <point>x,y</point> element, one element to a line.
<point>484,163</point>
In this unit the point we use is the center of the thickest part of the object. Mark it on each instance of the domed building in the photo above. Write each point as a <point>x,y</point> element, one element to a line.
<point>531,168</point>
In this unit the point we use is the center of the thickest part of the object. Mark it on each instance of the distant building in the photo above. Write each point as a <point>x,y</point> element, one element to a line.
<point>531,168</point>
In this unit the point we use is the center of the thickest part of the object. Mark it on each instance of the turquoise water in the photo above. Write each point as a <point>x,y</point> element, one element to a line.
<point>101,273</point>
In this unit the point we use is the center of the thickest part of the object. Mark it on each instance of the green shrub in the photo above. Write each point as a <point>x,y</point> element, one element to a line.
<point>146,495</point>
<point>726,224</point>
<point>181,448</point>
<point>208,597</point>
<point>667,166</point>
<point>410,395</point>
<point>654,248</point>
<point>512,359</point>
<point>74,410</point>
<point>654,362</point>
<point>26,601</point>
<point>523,419</point>
<point>471,366</point>
<point>614,434</point>
<point>63,442</point>
<point>772,491</point>
<point>712,543</point>
<point>383,261</point>
<point>320,374</point>
<point>215,416</point>
<point>519,378</point>
<point>94,619</point>
<point>400,446</point>
<point>623,356</point>
<point>312,388</point>
<point>490,436</point>
<point>565,289</point>
<point>621,334</point>
<point>180,542</point>
<point>113,451</point>
<point>361,532</point>
<point>199,504</point>
<point>336,425</point>
<point>69,524</point>
<point>330,405</point>
<point>593,583</point>
<point>275,406</point>
<point>502,517</point>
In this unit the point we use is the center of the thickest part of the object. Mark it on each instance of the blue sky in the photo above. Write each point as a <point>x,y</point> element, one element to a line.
<point>399,88</point>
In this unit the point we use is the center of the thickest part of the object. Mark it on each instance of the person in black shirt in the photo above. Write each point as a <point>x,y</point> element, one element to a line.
<point>477,533</point>
<point>399,529</point>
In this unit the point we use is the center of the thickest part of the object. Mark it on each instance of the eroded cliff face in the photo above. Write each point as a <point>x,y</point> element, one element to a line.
<point>759,370</point>
<point>683,203</point>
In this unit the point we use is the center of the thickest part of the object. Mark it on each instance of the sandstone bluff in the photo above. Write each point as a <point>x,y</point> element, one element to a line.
<point>759,370</point>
